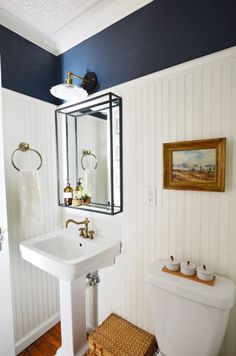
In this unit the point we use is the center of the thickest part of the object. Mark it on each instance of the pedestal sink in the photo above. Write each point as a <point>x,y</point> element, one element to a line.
<point>69,257</point>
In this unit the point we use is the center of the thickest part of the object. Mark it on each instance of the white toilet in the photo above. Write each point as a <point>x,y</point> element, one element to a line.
<point>189,318</point>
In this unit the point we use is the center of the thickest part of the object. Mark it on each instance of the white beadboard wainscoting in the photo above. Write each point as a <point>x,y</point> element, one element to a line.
<point>195,100</point>
<point>35,293</point>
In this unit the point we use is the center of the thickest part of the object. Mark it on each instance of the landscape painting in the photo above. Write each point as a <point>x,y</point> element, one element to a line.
<point>194,165</point>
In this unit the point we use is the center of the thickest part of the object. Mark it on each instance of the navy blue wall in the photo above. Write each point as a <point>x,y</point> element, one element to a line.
<point>26,68</point>
<point>162,34</point>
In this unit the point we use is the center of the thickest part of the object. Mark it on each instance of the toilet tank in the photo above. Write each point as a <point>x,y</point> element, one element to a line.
<point>189,318</point>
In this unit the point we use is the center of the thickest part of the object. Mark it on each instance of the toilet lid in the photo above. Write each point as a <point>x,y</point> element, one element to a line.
<point>221,295</point>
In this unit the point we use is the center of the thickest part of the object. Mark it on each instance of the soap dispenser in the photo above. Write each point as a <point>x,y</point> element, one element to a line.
<point>68,194</point>
<point>79,190</point>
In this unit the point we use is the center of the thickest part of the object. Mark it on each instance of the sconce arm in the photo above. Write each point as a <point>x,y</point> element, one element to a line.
<point>69,79</point>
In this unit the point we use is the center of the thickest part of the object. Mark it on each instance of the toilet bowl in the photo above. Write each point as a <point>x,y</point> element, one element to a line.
<point>189,318</point>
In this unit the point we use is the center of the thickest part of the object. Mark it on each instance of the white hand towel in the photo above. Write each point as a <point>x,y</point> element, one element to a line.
<point>90,183</point>
<point>30,201</point>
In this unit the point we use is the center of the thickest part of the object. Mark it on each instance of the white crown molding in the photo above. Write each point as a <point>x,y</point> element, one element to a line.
<point>96,19</point>
<point>26,31</point>
<point>100,17</point>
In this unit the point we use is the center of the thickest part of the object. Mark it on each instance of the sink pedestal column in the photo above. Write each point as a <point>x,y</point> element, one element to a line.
<point>73,319</point>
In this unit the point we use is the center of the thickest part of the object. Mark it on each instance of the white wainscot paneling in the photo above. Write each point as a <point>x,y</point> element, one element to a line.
<point>35,293</point>
<point>194,100</point>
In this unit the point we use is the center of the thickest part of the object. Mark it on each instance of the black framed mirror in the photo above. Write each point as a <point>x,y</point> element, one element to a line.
<point>89,155</point>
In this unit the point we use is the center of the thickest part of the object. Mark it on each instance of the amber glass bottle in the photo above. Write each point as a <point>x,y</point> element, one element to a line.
<point>68,194</point>
<point>79,190</point>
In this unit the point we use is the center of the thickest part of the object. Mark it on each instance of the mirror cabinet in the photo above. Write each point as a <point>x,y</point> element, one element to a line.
<point>89,154</point>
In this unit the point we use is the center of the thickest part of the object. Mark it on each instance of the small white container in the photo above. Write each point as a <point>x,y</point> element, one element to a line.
<point>172,264</point>
<point>204,274</point>
<point>188,268</point>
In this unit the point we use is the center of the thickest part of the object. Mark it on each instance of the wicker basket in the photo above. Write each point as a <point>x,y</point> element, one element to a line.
<point>117,337</point>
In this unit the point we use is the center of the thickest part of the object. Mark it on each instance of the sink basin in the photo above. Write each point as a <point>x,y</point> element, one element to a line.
<point>66,255</point>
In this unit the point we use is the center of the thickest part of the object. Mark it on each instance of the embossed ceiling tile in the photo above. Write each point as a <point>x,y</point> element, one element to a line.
<point>30,6</point>
<point>83,5</point>
<point>57,14</point>
<point>86,3</point>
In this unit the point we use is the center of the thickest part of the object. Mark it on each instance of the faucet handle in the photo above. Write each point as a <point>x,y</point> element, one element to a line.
<point>82,231</point>
<point>91,234</point>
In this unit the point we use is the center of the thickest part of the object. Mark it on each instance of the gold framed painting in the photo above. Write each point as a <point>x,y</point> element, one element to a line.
<point>195,165</point>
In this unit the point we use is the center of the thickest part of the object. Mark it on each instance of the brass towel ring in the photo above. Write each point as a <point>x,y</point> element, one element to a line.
<point>88,153</point>
<point>23,147</point>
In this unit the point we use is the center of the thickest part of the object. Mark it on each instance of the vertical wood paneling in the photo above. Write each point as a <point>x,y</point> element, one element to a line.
<point>35,294</point>
<point>191,101</point>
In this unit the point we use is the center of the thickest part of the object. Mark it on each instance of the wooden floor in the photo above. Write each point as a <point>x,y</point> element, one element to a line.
<point>46,345</point>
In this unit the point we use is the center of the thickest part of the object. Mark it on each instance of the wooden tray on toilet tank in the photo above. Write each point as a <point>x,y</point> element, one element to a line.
<point>193,278</point>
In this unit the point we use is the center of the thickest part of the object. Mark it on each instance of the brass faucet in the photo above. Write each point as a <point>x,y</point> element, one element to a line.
<point>84,231</point>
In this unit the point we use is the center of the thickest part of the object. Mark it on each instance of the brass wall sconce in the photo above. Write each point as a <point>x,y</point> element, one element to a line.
<point>71,92</point>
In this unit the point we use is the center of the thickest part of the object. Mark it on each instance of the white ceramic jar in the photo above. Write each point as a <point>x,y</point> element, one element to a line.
<point>172,264</point>
<point>204,274</point>
<point>188,268</point>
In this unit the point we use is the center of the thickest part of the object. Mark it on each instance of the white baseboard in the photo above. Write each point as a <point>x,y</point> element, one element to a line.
<point>36,333</point>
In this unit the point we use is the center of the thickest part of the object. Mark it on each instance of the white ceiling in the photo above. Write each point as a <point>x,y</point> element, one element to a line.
<point>58,25</point>
<point>51,14</point>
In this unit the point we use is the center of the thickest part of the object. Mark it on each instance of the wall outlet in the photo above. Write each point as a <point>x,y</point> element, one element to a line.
<point>151,197</point>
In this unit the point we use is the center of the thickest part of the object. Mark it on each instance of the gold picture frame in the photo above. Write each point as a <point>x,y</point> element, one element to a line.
<point>195,165</point>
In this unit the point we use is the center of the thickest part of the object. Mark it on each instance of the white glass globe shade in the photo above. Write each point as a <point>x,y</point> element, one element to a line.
<point>68,92</point>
